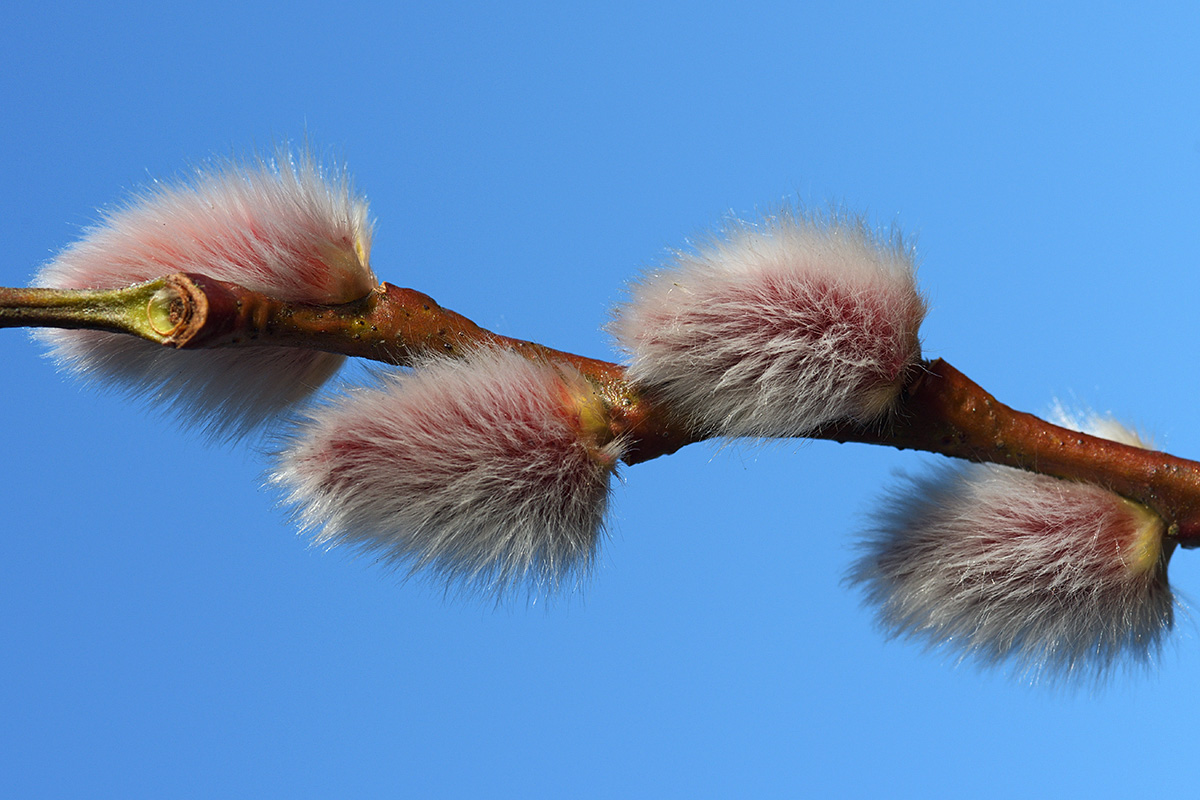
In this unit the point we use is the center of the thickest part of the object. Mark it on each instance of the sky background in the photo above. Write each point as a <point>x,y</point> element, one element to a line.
<point>165,632</point>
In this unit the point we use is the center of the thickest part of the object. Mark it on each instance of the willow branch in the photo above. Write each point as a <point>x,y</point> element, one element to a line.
<point>940,410</point>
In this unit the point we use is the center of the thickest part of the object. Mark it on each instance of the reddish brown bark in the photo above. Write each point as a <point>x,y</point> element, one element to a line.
<point>940,410</point>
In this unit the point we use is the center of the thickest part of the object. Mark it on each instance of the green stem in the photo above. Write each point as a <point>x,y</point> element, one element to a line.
<point>151,310</point>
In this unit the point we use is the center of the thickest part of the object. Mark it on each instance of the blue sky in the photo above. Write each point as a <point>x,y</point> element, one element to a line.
<point>168,635</point>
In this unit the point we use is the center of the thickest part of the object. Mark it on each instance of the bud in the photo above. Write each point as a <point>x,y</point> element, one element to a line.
<point>776,328</point>
<point>489,473</point>
<point>1061,580</point>
<point>285,228</point>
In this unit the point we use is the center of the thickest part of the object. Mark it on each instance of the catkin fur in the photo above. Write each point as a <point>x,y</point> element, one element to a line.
<point>1059,581</point>
<point>473,472</point>
<point>776,328</point>
<point>286,228</point>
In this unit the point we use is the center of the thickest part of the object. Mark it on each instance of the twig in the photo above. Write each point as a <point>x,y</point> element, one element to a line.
<point>940,410</point>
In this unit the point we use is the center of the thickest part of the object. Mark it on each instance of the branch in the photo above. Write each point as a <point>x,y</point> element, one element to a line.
<point>940,410</point>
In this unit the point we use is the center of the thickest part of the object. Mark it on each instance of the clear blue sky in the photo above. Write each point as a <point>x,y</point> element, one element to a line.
<point>165,632</point>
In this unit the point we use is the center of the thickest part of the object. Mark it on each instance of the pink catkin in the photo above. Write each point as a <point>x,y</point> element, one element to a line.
<point>285,228</point>
<point>474,472</point>
<point>1062,581</point>
<point>775,329</point>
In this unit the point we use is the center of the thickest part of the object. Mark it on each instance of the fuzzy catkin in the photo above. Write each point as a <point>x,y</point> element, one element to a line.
<point>776,328</point>
<point>475,472</point>
<point>1060,581</point>
<point>286,228</point>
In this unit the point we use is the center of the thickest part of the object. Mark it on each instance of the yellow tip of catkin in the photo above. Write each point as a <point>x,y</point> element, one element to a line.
<point>591,418</point>
<point>1146,546</point>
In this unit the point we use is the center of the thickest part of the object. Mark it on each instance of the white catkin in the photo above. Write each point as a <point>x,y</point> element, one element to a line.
<point>286,228</point>
<point>1060,581</point>
<point>776,328</point>
<point>471,472</point>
